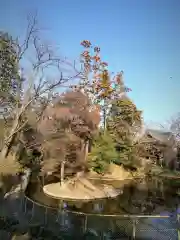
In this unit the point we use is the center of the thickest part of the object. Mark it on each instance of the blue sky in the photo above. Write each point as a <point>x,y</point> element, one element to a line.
<point>140,37</point>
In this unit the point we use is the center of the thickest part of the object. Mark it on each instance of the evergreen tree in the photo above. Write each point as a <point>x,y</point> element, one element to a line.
<point>103,152</point>
<point>124,122</point>
<point>9,75</point>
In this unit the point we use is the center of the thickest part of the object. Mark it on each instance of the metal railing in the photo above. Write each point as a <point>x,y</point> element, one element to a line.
<point>99,225</point>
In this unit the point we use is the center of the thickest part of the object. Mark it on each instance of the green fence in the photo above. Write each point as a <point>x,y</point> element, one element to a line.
<point>129,226</point>
<point>99,226</point>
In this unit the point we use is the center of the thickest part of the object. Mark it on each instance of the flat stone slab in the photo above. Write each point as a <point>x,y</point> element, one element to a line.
<point>80,189</point>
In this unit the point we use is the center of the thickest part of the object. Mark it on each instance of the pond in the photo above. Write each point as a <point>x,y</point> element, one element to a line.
<point>144,210</point>
<point>150,196</point>
<point>154,197</point>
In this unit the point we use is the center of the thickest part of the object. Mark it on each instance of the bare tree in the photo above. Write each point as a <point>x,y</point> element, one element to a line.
<point>39,83</point>
<point>175,126</point>
<point>85,120</point>
<point>66,126</point>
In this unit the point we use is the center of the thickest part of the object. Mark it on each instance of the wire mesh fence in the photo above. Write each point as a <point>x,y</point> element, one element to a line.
<point>48,221</point>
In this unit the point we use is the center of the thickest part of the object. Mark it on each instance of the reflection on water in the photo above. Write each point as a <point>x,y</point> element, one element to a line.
<point>146,197</point>
<point>150,196</point>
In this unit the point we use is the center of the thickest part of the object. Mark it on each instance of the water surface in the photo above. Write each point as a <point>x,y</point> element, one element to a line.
<point>151,196</point>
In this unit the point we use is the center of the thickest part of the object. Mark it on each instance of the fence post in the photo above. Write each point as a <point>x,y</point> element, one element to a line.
<point>25,202</point>
<point>134,229</point>
<point>32,211</point>
<point>45,217</point>
<point>22,203</point>
<point>178,229</point>
<point>85,224</point>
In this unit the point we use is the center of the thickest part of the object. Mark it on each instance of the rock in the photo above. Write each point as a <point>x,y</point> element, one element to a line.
<point>21,186</point>
<point>21,237</point>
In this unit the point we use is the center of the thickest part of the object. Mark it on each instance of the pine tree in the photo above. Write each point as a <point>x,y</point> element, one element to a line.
<point>124,122</point>
<point>103,152</point>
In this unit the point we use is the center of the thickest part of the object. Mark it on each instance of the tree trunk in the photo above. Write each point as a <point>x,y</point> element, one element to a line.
<point>62,173</point>
<point>9,140</point>
<point>104,119</point>
<point>21,186</point>
<point>86,150</point>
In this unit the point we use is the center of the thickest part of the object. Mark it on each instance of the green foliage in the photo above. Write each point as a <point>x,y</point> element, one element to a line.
<point>125,110</point>
<point>102,153</point>
<point>8,67</point>
<point>123,123</point>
